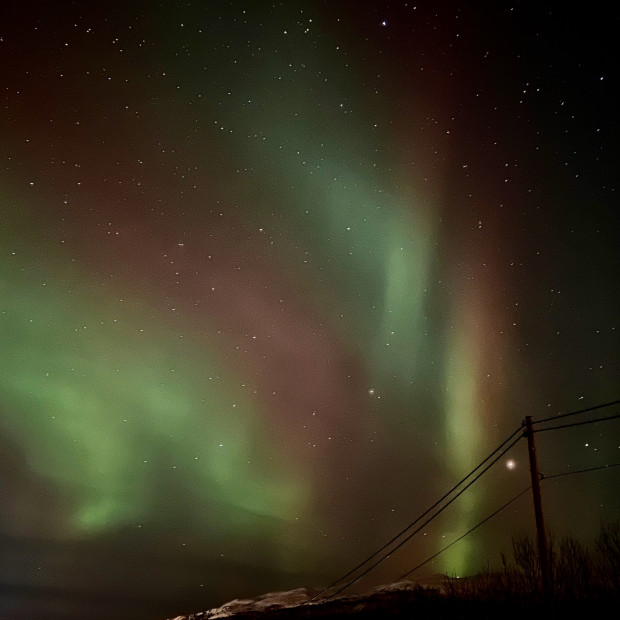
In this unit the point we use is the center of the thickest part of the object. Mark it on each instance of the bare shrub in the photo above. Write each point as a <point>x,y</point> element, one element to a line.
<point>572,570</point>
<point>608,557</point>
<point>525,557</point>
<point>577,573</point>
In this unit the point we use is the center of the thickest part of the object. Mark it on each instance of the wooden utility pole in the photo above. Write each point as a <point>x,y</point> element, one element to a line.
<point>543,549</point>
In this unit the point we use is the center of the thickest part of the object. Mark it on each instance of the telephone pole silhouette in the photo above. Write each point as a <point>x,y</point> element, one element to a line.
<point>543,548</point>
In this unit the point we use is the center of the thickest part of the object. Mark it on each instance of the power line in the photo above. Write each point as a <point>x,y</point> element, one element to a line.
<point>445,496</point>
<point>406,529</point>
<point>410,536</point>
<point>489,517</point>
<point>587,410</point>
<point>552,428</point>
<point>581,471</point>
<point>514,499</point>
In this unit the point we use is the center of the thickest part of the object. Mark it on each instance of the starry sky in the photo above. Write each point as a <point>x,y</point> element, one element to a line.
<point>275,275</point>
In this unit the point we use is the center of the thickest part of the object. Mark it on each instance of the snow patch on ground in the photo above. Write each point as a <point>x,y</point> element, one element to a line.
<point>290,598</point>
<point>265,602</point>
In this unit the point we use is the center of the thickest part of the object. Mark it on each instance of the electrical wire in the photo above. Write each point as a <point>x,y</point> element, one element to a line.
<point>406,529</point>
<point>446,495</point>
<point>580,471</point>
<point>410,536</point>
<point>565,415</point>
<point>488,518</point>
<point>553,428</point>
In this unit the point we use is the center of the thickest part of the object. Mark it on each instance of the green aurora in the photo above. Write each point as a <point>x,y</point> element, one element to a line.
<point>274,278</point>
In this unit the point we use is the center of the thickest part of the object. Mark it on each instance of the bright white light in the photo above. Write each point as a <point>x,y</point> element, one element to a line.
<point>510,464</point>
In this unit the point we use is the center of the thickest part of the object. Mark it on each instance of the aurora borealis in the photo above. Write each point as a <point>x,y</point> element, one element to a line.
<point>275,275</point>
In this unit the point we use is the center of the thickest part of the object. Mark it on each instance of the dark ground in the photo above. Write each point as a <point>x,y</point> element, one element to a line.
<point>430,604</point>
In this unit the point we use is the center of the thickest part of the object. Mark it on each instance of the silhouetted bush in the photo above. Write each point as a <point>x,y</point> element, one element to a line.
<point>578,574</point>
<point>607,567</point>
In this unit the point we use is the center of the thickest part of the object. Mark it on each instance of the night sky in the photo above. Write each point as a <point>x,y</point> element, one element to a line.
<point>275,275</point>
